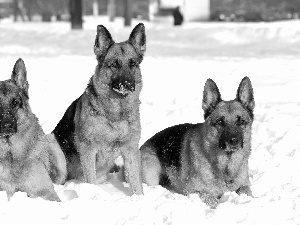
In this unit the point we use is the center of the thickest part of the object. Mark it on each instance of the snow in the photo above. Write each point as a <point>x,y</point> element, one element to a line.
<point>177,63</point>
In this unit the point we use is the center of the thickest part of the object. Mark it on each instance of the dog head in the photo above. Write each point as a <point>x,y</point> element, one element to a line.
<point>13,97</point>
<point>118,69</point>
<point>229,121</point>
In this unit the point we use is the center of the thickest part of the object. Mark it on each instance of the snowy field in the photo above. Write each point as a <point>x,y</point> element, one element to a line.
<point>177,63</point>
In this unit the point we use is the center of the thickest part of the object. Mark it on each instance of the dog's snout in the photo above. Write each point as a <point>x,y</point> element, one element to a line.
<point>123,85</point>
<point>8,125</point>
<point>129,85</point>
<point>230,139</point>
<point>233,141</point>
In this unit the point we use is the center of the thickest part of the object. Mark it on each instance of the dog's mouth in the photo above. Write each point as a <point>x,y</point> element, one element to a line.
<point>8,129</point>
<point>122,87</point>
<point>230,148</point>
<point>6,134</point>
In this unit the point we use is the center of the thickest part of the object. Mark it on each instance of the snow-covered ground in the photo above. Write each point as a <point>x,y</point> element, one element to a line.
<point>177,63</point>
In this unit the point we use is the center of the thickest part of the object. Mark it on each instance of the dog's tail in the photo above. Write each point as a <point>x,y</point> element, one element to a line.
<point>58,165</point>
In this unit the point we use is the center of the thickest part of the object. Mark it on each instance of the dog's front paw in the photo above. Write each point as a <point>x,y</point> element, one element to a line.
<point>244,190</point>
<point>208,199</point>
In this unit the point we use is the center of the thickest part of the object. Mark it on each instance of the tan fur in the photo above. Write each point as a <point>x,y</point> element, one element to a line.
<point>151,167</point>
<point>58,165</point>
<point>104,122</point>
<point>26,157</point>
<point>208,158</point>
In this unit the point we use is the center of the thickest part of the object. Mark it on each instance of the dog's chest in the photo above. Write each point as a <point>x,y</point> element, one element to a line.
<point>13,148</point>
<point>104,130</point>
<point>10,167</point>
<point>119,110</point>
<point>122,129</point>
<point>229,169</point>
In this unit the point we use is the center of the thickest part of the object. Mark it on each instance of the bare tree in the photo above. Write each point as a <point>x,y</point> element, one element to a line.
<point>76,14</point>
<point>127,12</point>
<point>29,5</point>
<point>47,10</point>
<point>111,10</point>
<point>18,10</point>
<point>95,8</point>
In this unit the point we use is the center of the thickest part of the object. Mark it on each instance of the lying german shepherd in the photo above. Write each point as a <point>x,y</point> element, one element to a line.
<point>208,158</point>
<point>104,122</point>
<point>28,158</point>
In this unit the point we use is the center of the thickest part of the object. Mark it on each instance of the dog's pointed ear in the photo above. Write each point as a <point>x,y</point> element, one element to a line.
<point>19,76</point>
<point>138,38</point>
<point>211,97</point>
<point>245,94</point>
<point>103,40</point>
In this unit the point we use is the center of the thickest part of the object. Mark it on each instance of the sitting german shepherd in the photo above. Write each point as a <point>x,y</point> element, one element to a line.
<point>104,122</point>
<point>28,158</point>
<point>208,158</point>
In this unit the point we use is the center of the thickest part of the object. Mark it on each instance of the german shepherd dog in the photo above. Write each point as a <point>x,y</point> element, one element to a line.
<point>28,158</point>
<point>207,158</point>
<point>104,122</point>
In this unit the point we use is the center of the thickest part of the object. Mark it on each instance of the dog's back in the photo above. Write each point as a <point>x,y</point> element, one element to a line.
<point>166,147</point>
<point>64,133</point>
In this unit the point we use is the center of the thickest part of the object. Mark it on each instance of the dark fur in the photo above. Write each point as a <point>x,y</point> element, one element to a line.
<point>28,158</point>
<point>104,122</point>
<point>207,158</point>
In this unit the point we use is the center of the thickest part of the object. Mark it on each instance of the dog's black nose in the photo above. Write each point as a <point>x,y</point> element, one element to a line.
<point>122,86</point>
<point>8,126</point>
<point>233,141</point>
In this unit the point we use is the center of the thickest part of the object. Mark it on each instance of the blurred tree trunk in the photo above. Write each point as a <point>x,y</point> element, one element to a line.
<point>76,14</point>
<point>127,12</point>
<point>29,6</point>
<point>18,9</point>
<point>111,9</point>
<point>59,8</point>
<point>46,9</point>
<point>95,8</point>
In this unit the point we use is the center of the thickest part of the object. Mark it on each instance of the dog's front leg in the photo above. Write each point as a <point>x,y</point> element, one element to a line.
<point>35,181</point>
<point>209,194</point>
<point>208,199</point>
<point>87,155</point>
<point>243,181</point>
<point>132,166</point>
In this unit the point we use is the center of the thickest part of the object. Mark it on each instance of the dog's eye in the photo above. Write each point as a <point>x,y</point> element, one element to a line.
<point>220,122</point>
<point>14,103</point>
<point>132,64</point>
<point>240,121</point>
<point>115,64</point>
